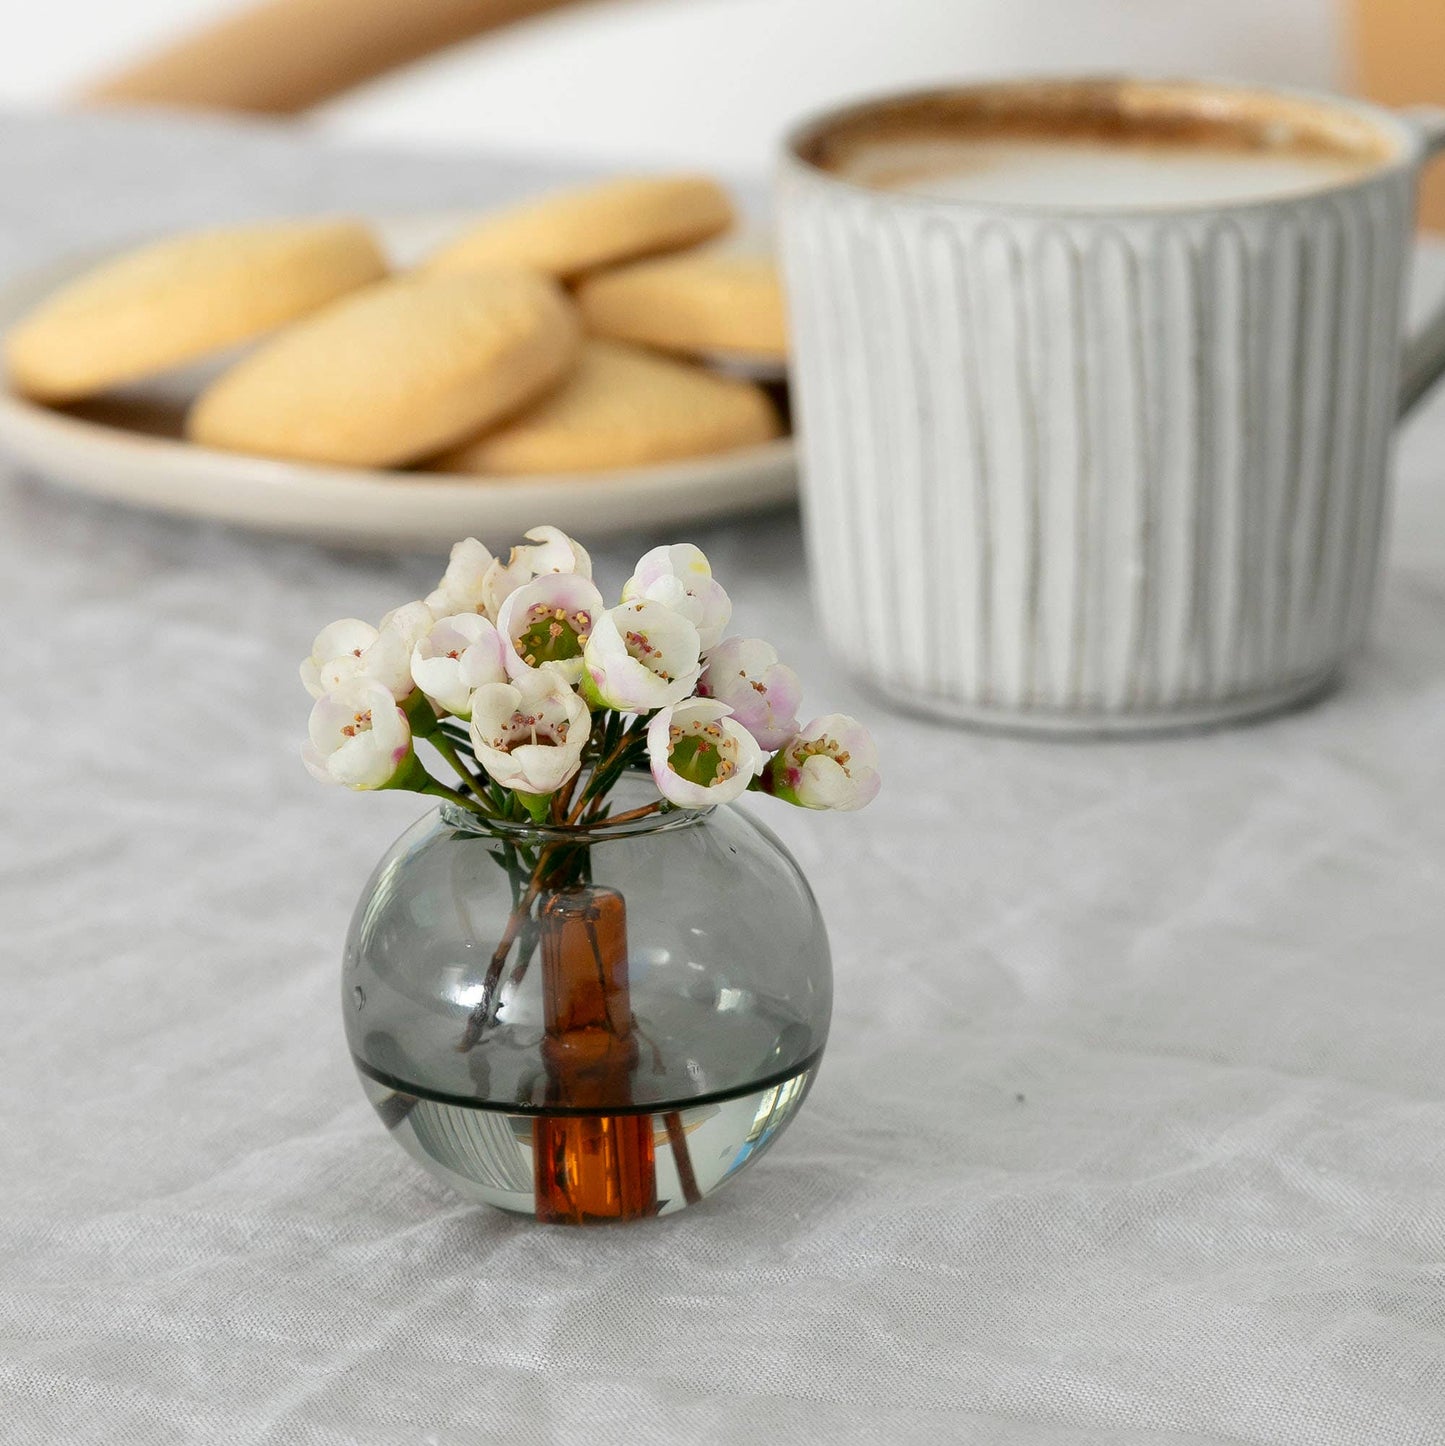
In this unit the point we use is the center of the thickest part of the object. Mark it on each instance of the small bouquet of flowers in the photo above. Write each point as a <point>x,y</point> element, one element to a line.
<point>538,697</point>
<point>537,700</point>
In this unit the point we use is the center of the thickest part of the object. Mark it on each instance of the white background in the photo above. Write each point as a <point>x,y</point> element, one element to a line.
<point>710,81</point>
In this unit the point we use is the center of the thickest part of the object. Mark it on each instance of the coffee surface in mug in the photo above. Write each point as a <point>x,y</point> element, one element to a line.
<point>1098,146</point>
<point>1067,171</point>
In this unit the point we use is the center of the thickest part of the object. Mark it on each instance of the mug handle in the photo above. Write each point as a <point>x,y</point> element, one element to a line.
<point>1422,360</point>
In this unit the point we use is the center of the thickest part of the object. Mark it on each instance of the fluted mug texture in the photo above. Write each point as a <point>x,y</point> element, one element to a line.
<point>1090,469</point>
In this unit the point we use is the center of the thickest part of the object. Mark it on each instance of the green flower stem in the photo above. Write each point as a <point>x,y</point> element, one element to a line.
<point>596,800</point>
<point>601,780</point>
<point>444,746</point>
<point>440,790</point>
<point>420,714</point>
<point>603,724</point>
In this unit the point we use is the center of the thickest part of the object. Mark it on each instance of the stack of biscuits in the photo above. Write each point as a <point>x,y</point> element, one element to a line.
<point>580,332</point>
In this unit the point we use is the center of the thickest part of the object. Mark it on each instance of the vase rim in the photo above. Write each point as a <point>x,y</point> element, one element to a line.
<point>464,819</point>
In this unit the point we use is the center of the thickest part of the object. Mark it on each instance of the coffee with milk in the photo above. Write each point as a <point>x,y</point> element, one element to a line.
<point>1088,156</point>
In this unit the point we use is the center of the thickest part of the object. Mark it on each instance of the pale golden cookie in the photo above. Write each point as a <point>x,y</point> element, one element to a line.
<point>623,407</point>
<point>702,303</point>
<point>176,300</point>
<point>396,372</point>
<point>573,232</point>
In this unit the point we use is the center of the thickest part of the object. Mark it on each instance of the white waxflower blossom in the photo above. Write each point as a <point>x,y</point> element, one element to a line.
<point>529,734</point>
<point>358,737</point>
<point>354,649</point>
<point>462,584</point>
<point>832,763</point>
<point>642,656</point>
<point>699,756</point>
<point>546,624</point>
<point>335,644</point>
<point>456,656</point>
<point>763,693</point>
<point>680,577</point>
<point>388,659</point>
<point>547,550</point>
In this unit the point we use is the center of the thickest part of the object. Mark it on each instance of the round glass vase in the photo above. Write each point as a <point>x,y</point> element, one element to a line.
<point>592,1024</point>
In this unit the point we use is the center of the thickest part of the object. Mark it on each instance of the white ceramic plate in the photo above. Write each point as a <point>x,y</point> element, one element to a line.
<point>128,448</point>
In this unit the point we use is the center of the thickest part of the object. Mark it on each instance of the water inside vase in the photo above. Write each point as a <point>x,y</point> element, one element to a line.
<point>491,1155</point>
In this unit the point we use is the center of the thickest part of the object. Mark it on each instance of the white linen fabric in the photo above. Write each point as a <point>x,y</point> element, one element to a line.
<point>1132,1126</point>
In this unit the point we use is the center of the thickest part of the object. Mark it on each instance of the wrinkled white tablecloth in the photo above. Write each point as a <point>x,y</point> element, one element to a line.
<point>1131,1130</point>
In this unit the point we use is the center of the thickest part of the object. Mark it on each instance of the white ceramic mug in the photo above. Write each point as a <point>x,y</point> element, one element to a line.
<point>1095,469</point>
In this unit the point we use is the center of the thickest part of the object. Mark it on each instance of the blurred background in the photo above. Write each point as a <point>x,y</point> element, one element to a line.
<point>592,81</point>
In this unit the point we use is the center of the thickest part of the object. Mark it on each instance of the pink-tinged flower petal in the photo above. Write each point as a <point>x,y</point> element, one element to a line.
<point>551,551</point>
<point>546,623</point>
<point>462,584</point>
<point>529,734</point>
<point>699,756</point>
<point>642,656</point>
<point>680,577</point>
<point>456,657</point>
<point>357,736</point>
<point>763,693</point>
<point>677,559</point>
<point>832,763</point>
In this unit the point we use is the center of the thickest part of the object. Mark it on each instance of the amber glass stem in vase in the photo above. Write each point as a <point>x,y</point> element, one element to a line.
<point>592,1166</point>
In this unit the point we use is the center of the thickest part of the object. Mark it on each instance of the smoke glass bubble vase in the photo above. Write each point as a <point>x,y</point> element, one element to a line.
<point>587,1025</point>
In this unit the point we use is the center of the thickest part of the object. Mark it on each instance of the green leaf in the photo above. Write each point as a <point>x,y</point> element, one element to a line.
<point>538,805</point>
<point>420,714</point>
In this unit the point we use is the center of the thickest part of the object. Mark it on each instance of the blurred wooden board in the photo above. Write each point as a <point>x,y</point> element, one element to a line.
<point>285,56</point>
<point>1398,58</point>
